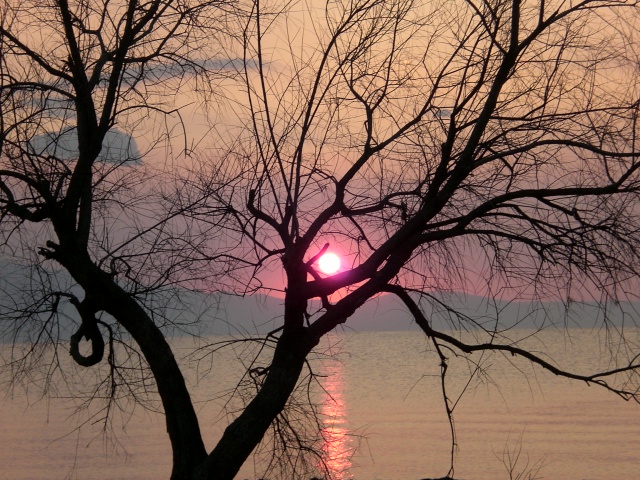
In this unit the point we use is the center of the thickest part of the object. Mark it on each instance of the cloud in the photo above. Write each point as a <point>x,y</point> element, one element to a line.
<point>117,147</point>
<point>166,70</point>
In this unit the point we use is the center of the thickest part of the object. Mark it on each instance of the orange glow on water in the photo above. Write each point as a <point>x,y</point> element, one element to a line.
<point>337,448</point>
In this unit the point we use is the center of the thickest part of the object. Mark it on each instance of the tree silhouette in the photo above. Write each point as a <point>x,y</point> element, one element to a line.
<point>485,147</point>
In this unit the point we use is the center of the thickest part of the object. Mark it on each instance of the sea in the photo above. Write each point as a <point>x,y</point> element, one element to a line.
<point>380,401</point>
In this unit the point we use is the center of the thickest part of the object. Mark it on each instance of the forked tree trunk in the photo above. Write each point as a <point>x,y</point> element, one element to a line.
<point>190,461</point>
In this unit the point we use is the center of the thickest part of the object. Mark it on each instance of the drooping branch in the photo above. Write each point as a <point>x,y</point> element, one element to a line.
<point>596,378</point>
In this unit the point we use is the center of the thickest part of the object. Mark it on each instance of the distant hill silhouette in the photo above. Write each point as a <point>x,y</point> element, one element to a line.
<point>189,312</point>
<point>386,313</point>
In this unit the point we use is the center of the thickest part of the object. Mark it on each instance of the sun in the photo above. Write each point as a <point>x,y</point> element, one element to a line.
<point>329,263</point>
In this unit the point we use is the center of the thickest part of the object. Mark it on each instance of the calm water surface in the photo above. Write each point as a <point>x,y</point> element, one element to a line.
<point>384,420</point>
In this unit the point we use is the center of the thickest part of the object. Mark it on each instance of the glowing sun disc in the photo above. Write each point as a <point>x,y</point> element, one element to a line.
<point>329,263</point>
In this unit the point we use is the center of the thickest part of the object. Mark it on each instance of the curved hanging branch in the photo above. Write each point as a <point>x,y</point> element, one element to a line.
<point>597,378</point>
<point>89,331</point>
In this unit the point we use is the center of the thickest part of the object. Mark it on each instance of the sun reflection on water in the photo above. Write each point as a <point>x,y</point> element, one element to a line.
<point>337,448</point>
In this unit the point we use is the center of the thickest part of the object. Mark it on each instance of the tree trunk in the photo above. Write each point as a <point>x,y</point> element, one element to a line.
<point>182,422</point>
<point>247,430</point>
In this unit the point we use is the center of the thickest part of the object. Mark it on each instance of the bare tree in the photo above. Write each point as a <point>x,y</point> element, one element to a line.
<point>487,147</point>
<point>78,80</point>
